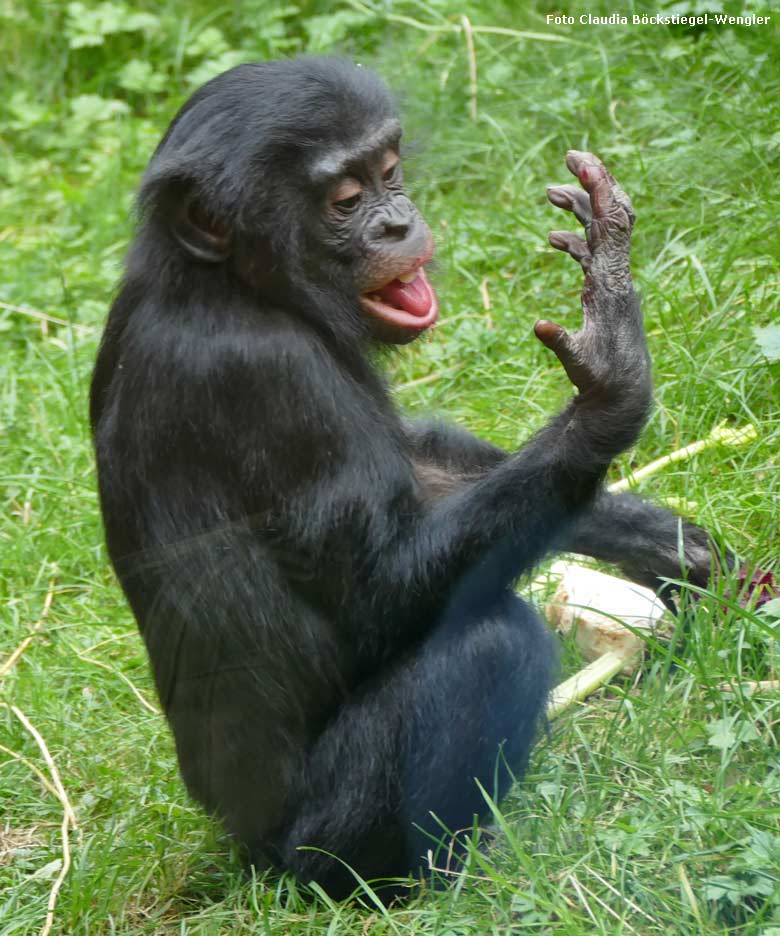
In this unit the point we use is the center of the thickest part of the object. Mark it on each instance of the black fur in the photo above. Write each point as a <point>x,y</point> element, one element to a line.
<point>335,642</point>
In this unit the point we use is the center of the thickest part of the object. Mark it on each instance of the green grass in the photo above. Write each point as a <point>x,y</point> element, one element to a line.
<point>652,808</point>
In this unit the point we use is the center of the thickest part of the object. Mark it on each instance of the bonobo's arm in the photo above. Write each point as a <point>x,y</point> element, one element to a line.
<point>507,519</point>
<point>642,539</point>
<point>647,542</point>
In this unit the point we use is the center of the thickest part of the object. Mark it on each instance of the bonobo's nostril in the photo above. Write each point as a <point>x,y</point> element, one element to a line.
<point>395,229</point>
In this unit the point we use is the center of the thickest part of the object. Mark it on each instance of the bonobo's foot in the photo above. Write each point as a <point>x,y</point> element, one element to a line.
<point>607,358</point>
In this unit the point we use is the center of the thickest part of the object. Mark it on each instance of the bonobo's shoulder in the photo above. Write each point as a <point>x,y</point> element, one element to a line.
<point>280,343</point>
<point>278,333</point>
<point>276,355</point>
<point>255,337</point>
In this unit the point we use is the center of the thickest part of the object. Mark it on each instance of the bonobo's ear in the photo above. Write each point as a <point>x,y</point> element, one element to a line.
<point>203,236</point>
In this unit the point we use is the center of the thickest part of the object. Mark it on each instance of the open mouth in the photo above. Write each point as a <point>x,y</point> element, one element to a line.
<point>407,302</point>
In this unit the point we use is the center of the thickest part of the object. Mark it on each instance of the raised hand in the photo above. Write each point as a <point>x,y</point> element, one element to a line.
<point>607,358</point>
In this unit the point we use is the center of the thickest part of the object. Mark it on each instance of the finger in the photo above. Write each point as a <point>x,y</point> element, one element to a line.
<point>608,200</point>
<point>573,199</point>
<point>552,336</point>
<point>574,245</point>
<point>588,168</point>
<point>558,340</point>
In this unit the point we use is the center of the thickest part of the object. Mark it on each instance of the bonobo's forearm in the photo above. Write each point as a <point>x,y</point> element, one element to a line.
<point>647,542</point>
<point>505,522</point>
<point>641,538</point>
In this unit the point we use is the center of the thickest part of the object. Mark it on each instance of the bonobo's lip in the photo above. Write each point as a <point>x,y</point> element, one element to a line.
<point>411,306</point>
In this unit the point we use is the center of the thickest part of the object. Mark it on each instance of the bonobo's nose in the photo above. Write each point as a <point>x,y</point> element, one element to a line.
<point>396,224</point>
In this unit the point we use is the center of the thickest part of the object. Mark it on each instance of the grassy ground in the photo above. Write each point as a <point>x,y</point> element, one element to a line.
<point>654,807</point>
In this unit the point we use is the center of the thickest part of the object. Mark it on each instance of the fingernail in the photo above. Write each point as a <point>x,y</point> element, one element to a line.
<point>559,198</point>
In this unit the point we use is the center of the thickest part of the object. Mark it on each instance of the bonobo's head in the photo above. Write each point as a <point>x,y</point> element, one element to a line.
<point>287,175</point>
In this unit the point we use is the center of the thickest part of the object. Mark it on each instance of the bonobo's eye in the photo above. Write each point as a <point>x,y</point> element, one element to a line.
<point>390,164</point>
<point>346,195</point>
<point>345,204</point>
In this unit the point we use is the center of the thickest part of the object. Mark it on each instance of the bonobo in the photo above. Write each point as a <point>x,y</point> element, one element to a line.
<point>325,588</point>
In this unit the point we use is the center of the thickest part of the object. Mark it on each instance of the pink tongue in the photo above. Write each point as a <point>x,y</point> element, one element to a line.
<point>414,297</point>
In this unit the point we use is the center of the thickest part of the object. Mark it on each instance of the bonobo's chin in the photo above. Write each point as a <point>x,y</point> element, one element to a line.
<point>402,309</point>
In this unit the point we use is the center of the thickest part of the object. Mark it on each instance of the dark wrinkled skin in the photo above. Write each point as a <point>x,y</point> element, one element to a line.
<point>326,590</point>
<point>384,235</point>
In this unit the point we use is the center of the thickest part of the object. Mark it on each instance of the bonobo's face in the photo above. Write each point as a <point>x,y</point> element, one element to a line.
<point>373,231</point>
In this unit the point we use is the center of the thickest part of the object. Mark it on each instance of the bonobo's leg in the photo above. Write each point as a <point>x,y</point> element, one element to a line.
<point>464,706</point>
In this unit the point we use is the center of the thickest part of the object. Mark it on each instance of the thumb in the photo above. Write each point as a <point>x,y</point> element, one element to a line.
<point>552,336</point>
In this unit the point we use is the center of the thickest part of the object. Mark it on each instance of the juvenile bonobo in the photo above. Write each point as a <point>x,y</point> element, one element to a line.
<point>325,589</point>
